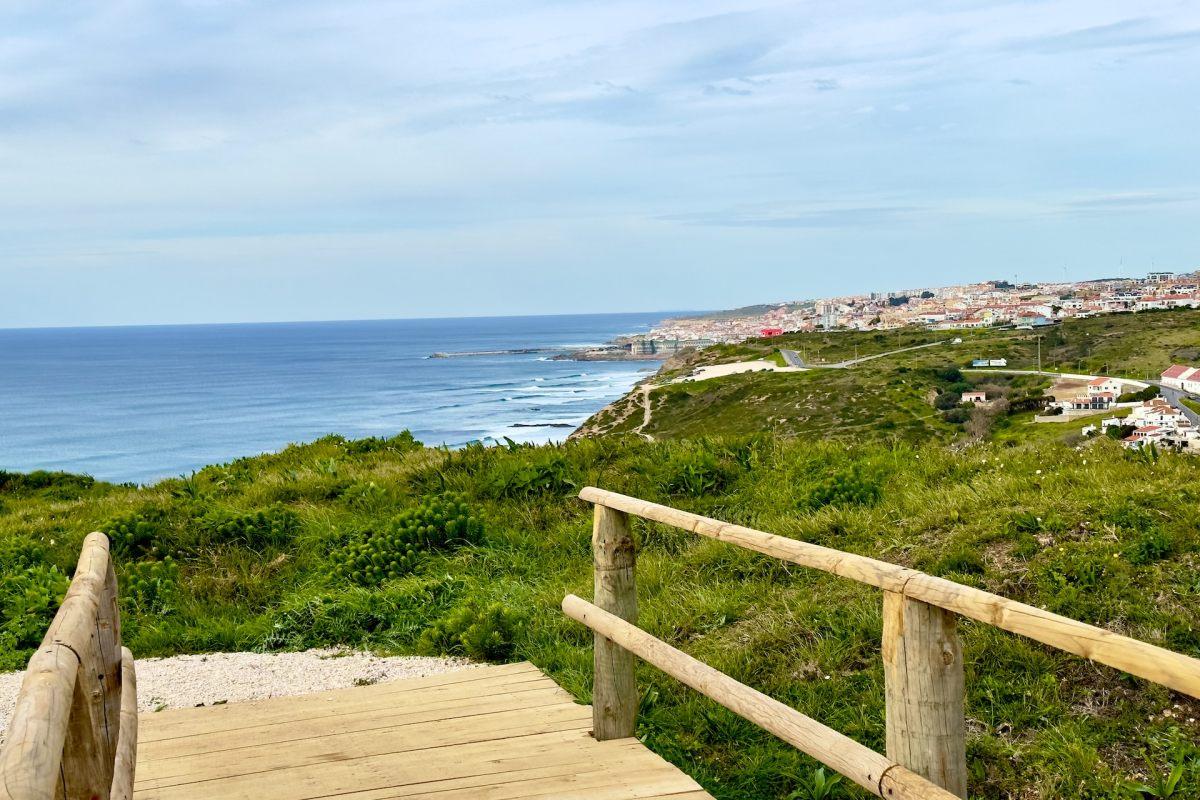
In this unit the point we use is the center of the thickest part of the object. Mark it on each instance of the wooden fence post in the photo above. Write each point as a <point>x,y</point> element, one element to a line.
<point>923,675</point>
<point>614,692</point>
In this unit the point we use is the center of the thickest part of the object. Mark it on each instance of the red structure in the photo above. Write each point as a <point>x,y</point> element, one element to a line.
<point>769,332</point>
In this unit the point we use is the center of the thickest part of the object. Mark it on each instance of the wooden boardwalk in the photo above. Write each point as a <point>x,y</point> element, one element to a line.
<point>486,733</point>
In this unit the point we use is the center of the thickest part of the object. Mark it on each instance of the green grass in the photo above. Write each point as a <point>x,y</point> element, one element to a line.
<point>1095,533</point>
<point>892,397</point>
<point>1022,428</point>
<point>1194,405</point>
<point>889,399</point>
<point>1129,344</point>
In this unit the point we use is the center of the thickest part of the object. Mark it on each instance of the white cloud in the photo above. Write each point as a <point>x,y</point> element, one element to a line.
<point>217,122</point>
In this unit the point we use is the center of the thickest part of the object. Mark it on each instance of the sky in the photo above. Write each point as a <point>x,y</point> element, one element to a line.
<point>170,162</point>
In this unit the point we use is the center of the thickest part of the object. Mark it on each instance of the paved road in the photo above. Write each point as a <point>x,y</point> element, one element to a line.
<point>851,362</point>
<point>792,358</point>
<point>1174,396</point>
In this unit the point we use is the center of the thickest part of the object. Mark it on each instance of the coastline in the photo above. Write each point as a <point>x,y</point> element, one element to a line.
<point>142,404</point>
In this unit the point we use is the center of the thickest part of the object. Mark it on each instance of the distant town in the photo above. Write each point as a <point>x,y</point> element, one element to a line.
<point>976,305</point>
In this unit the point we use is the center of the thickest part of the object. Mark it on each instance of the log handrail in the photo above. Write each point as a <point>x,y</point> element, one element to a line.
<point>857,762</point>
<point>73,732</point>
<point>1166,667</point>
<point>923,671</point>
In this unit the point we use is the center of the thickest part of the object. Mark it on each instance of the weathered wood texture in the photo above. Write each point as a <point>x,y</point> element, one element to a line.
<point>864,766</point>
<point>488,733</point>
<point>125,760</point>
<point>923,674</point>
<point>1173,670</point>
<point>63,735</point>
<point>614,693</point>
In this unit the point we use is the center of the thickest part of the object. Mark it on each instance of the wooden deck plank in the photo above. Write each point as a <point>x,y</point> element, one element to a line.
<point>471,683</point>
<point>376,718</point>
<point>489,733</point>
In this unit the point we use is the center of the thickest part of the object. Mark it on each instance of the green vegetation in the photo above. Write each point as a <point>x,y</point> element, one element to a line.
<point>303,548</point>
<point>384,544</point>
<point>913,395</point>
<point>883,400</point>
<point>1134,345</point>
<point>1148,393</point>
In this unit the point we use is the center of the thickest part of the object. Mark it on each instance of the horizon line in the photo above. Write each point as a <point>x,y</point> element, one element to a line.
<point>108,325</point>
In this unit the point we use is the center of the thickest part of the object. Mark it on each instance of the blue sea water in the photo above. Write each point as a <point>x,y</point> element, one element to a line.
<point>143,403</point>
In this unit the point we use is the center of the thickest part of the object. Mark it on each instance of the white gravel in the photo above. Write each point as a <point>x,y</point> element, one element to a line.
<point>187,681</point>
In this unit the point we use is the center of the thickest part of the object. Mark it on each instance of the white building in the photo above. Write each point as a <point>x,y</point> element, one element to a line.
<point>1182,377</point>
<point>1104,385</point>
<point>1158,422</point>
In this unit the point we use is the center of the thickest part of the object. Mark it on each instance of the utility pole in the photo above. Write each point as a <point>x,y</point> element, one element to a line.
<point>1039,338</point>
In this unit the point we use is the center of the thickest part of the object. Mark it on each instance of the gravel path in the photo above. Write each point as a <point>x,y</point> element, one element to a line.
<point>186,681</point>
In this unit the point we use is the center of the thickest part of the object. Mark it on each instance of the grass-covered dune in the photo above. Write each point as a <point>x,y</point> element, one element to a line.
<point>387,545</point>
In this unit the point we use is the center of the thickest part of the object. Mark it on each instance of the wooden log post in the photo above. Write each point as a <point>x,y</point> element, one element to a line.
<point>126,757</point>
<point>873,772</point>
<point>86,771</point>
<point>923,676</point>
<point>614,692</point>
<point>108,631</point>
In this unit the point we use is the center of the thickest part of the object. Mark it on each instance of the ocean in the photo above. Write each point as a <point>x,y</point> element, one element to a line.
<point>139,404</point>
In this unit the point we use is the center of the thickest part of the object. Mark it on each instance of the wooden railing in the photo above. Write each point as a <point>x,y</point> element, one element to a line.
<point>922,657</point>
<point>73,733</point>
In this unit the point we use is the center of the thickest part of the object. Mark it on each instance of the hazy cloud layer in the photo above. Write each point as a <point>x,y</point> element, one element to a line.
<point>171,161</point>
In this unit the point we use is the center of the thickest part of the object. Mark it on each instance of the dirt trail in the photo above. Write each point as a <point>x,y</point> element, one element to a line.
<point>644,392</point>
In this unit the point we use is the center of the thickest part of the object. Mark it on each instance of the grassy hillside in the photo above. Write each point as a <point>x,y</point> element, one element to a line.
<point>387,545</point>
<point>892,398</point>
<point>895,396</point>
<point>1131,344</point>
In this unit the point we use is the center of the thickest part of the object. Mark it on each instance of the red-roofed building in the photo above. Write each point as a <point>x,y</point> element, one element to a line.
<point>1182,377</point>
<point>1104,384</point>
<point>1175,371</point>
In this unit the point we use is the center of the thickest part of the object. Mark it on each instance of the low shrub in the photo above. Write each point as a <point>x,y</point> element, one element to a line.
<point>136,535</point>
<point>271,526</point>
<point>1149,547</point>
<point>956,416</point>
<point>856,486</point>
<point>947,400</point>
<point>1142,395</point>
<point>1119,431</point>
<point>402,442</point>
<point>539,475</point>
<point>366,496</point>
<point>694,473</point>
<point>150,584</point>
<point>29,599</point>
<point>442,523</point>
<point>477,632</point>
<point>51,485</point>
